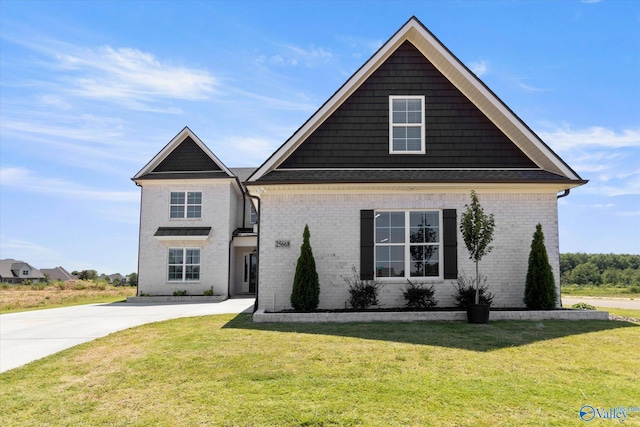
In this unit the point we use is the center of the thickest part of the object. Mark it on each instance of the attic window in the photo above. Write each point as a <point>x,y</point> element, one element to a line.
<point>406,125</point>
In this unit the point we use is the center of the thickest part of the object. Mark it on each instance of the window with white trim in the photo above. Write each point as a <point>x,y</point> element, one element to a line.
<point>186,204</point>
<point>184,264</point>
<point>408,244</point>
<point>406,125</point>
<point>254,215</point>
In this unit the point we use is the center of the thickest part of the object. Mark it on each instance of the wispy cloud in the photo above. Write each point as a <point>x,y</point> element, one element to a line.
<point>479,68</point>
<point>608,157</point>
<point>255,150</point>
<point>27,180</point>
<point>124,75</point>
<point>564,137</point>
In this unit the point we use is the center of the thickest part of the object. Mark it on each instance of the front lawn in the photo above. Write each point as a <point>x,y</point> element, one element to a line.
<point>226,370</point>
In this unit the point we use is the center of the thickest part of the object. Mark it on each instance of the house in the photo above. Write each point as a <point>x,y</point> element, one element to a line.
<point>13,271</point>
<point>380,174</point>
<point>196,223</point>
<point>58,274</point>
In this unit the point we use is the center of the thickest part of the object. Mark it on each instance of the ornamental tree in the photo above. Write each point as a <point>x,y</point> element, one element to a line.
<point>477,232</point>
<point>540,287</point>
<point>306,288</point>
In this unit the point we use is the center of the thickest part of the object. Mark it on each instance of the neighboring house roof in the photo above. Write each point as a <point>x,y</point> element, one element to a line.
<point>58,273</point>
<point>184,157</point>
<point>472,136</point>
<point>10,269</point>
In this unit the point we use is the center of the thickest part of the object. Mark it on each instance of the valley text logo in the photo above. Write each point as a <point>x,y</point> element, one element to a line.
<point>619,413</point>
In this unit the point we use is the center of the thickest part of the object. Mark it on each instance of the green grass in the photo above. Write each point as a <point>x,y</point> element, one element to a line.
<point>227,371</point>
<point>601,291</point>
<point>625,312</point>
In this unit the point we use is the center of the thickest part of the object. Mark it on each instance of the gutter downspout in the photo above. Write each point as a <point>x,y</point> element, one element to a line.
<point>255,306</point>
<point>558,197</point>
<point>139,238</point>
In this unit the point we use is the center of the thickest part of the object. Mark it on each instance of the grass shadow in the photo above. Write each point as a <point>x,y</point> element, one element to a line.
<point>483,338</point>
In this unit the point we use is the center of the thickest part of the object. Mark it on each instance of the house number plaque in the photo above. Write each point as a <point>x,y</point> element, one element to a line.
<point>283,243</point>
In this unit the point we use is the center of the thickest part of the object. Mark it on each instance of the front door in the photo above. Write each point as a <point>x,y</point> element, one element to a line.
<point>249,273</point>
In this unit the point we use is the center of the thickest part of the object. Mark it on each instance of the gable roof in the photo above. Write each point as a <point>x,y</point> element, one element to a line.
<point>533,153</point>
<point>10,268</point>
<point>58,273</point>
<point>184,157</point>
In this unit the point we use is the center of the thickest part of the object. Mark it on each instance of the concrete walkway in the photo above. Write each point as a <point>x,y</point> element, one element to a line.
<point>32,335</point>
<point>603,302</point>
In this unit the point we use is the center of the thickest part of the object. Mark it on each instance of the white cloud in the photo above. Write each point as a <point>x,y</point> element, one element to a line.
<point>608,158</point>
<point>565,138</point>
<point>24,251</point>
<point>255,149</point>
<point>124,75</point>
<point>479,68</point>
<point>27,180</point>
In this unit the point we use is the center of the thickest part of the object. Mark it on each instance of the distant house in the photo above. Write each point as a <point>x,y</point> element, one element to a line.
<point>13,271</point>
<point>58,274</point>
<point>380,173</point>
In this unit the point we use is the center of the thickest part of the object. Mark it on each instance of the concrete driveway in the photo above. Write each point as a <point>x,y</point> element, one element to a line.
<point>32,335</point>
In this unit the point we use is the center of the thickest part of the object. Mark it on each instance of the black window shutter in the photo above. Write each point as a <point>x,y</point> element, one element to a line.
<point>366,245</point>
<point>450,243</point>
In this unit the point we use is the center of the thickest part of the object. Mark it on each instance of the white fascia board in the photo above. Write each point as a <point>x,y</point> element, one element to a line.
<point>177,140</point>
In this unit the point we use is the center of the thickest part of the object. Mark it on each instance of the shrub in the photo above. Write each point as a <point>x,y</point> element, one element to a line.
<point>306,288</point>
<point>179,293</point>
<point>419,295</point>
<point>37,286</point>
<point>208,292</point>
<point>362,293</point>
<point>635,289</point>
<point>540,287</point>
<point>465,292</point>
<point>583,306</point>
<point>61,285</point>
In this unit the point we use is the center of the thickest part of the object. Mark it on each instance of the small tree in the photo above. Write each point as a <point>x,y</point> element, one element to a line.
<point>306,288</point>
<point>540,287</point>
<point>477,231</point>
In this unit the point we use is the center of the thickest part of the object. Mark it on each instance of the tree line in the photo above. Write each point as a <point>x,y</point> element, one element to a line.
<point>600,269</point>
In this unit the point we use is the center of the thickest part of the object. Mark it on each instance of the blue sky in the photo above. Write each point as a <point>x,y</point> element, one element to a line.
<point>90,91</point>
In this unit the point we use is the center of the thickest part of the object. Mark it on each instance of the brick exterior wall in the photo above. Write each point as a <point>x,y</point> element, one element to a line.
<point>334,224</point>
<point>219,211</point>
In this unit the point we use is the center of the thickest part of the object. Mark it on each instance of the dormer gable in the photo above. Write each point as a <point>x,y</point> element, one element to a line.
<point>465,126</point>
<point>184,157</point>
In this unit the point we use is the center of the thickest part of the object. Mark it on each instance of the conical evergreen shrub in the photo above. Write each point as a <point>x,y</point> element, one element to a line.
<point>540,287</point>
<point>306,288</point>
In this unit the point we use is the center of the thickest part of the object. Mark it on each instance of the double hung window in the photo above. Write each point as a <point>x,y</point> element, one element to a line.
<point>186,204</point>
<point>184,265</point>
<point>406,125</point>
<point>408,244</point>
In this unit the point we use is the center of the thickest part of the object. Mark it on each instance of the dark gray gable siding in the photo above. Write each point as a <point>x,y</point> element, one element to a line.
<point>458,135</point>
<point>187,157</point>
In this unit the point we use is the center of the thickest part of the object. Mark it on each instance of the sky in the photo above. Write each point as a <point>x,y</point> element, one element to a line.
<point>90,91</point>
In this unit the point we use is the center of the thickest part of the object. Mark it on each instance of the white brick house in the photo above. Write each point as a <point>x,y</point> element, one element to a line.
<point>196,231</point>
<point>380,173</point>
